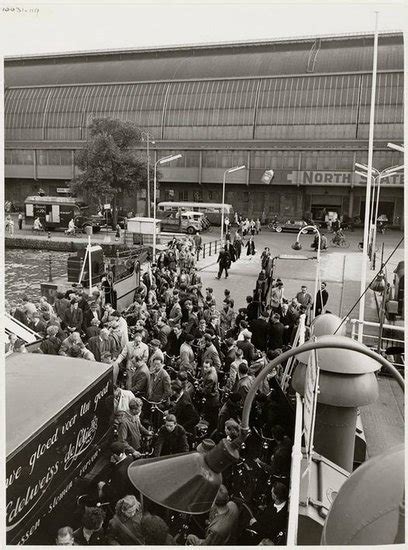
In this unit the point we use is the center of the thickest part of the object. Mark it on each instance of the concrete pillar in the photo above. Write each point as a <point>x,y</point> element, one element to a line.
<point>351,203</point>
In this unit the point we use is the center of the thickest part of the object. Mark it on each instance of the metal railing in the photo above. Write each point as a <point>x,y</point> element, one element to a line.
<point>387,341</point>
<point>294,488</point>
<point>208,249</point>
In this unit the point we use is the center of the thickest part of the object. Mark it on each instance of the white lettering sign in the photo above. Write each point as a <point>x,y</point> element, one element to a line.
<point>326,177</point>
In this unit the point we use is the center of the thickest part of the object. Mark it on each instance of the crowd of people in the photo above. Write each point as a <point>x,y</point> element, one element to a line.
<point>183,364</point>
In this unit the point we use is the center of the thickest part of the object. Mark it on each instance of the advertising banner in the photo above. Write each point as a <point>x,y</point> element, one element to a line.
<point>41,473</point>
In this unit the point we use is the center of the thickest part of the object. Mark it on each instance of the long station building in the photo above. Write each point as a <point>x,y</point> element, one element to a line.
<point>299,107</point>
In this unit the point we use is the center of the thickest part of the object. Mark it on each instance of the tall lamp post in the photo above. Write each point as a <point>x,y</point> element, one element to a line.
<point>163,160</point>
<point>148,138</point>
<point>298,246</point>
<point>229,171</point>
<point>369,179</point>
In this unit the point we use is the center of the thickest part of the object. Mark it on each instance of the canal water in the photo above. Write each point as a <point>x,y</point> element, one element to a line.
<point>26,269</point>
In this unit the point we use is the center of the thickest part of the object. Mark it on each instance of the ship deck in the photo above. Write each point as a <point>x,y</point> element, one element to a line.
<point>383,420</point>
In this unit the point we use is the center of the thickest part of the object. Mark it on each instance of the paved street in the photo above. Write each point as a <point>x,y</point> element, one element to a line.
<point>340,268</point>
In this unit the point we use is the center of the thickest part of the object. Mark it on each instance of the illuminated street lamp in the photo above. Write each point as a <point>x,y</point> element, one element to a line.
<point>148,138</point>
<point>163,160</point>
<point>229,171</point>
<point>298,246</point>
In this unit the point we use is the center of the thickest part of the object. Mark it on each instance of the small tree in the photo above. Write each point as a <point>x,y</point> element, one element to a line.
<point>108,163</point>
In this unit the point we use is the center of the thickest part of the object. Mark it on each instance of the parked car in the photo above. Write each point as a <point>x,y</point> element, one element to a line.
<point>291,226</point>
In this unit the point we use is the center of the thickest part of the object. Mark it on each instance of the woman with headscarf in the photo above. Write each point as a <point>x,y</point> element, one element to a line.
<point>124,527</point>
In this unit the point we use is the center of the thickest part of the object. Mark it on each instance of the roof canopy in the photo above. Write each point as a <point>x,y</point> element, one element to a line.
<point>240,60</point>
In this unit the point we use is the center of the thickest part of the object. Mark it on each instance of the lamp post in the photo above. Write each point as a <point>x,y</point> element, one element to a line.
<point>163,160</point>
<point>189,482</point>
<point>149,140</point>
<point>298,246</point>
<point>229,171</point>
<point>369,179</point>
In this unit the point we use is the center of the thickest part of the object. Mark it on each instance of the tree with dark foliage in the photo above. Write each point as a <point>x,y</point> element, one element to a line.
<point>109,164</point>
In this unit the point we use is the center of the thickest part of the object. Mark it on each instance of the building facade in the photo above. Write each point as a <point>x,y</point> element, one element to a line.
<point>298,107</point>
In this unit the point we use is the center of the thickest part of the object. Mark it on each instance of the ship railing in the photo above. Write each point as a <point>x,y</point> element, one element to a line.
<point>393,336</point>
<point>295,469</point>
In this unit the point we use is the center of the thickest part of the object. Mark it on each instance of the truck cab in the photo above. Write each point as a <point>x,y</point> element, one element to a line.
<point>180,222</point>
<point>200,218</point>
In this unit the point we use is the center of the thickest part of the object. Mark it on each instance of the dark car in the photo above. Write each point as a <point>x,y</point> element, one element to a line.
<point>293,226</point>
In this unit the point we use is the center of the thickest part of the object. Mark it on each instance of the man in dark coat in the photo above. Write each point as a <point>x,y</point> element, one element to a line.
<point>174,341</point>
<point>171,438</point>
<point>247,346</point>
<point>238,245</point>
<point>89,314</point>
<point>51,344</point>
<point>37,325</point>
<point>229,353</point>
<point>224,261</point>
<point>182,407</point>
<point>119,484</point>
<point>252,308</point>
<point>101,346</point>
<point>260,330</point>
<point>73,317</point>
<point>321,298</point>
<point>273,519</point>
<point>276,332</point>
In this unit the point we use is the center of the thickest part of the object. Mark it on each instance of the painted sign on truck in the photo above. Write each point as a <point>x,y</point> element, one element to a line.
<point>54,436</point>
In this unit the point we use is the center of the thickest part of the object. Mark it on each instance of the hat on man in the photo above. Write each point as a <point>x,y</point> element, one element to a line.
<point>205,446</point>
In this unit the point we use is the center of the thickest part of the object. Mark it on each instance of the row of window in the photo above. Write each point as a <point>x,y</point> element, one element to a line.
<point>65,112</point>
<point>199,195</point>
<point>262,160</point>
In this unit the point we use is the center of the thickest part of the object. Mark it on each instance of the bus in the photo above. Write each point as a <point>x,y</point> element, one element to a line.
<point>211,210</point>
